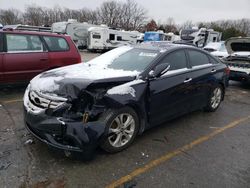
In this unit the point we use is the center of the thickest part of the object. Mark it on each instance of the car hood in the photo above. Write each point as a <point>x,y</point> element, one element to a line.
<point>238,44</point>
<point>70,80</point>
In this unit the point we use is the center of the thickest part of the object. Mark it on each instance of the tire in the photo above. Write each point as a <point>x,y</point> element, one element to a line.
<point>215,98</point>
<point>119,134</point>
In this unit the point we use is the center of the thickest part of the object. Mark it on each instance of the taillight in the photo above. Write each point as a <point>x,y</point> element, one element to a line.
<point>227,71</point>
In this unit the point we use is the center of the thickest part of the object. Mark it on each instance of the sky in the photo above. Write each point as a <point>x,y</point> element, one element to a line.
<point>160,10</point>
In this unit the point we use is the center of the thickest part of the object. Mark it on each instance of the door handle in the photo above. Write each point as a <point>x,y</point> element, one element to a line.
<point>213,70</point>
<point>187,80</point>
<point>43,59</point>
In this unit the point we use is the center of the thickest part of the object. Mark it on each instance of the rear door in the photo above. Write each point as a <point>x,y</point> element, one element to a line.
<point>26,57</point>
<point>202,75</point>
<point>1,57</point>
<point>61,53</point>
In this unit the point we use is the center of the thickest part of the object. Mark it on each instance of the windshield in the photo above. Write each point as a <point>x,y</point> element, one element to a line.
<point>125,58</point>
<point>223,48</point>
<point>134,60</point>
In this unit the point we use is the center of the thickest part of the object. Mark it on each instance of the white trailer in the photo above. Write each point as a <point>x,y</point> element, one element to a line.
<point>172,37</point>
<point>60,27</point>
<point>200,37</point>
<point>76,30</point>
<point>105,38</point>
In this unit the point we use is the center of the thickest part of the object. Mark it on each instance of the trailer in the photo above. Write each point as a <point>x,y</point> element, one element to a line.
<point>200,37</point>
<point>76,30</point>
<point>104,38</point>
<point>171,37</point>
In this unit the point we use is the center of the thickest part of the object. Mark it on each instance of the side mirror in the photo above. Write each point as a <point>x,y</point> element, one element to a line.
<point>159,70</point>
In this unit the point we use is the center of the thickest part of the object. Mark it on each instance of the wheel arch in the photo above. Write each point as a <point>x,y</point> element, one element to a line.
<point>141,116</point>
<point>223,89</point>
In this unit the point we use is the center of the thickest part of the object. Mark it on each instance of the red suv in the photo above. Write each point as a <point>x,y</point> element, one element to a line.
<point>24,54</point>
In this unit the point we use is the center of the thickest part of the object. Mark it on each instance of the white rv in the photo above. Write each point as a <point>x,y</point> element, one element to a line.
<point>60,27</point>
<point>200,37</point>
<point>100,38</point>
<point>77,31</point>
<point>171,37</point>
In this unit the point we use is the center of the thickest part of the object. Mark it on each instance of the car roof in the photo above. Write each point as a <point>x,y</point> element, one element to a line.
<point>161,46</point>
<point>30,32</point>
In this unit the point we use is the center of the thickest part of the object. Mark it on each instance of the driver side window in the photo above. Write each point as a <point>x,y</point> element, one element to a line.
<point>177,60</point>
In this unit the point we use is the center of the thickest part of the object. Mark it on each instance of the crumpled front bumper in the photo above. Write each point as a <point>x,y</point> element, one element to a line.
<point>64,134</point>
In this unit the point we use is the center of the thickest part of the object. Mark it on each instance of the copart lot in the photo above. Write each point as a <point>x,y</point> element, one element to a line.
<point>197,150</point>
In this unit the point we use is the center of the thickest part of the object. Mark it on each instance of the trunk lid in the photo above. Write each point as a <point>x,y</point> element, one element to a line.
<point>239,46</point>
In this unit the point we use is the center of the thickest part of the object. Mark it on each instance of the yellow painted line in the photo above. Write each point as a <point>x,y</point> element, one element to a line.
<point>12,101</point>
<point>168,156</point>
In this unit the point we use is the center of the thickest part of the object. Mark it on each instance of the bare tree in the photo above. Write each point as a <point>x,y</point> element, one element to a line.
<point>170,26</point>
<point>129,15</point>
<point>10,16</point>
<point>134,15</point>
<point>187,25</point>
<point>34,15</point>
<point>110,12</point>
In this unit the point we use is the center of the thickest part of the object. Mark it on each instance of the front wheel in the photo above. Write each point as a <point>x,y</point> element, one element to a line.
<point>215,99</point>
<point>122,126</point>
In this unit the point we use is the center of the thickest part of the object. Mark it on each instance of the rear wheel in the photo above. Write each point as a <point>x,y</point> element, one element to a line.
<point>121,127</point>
<point>215,99</point>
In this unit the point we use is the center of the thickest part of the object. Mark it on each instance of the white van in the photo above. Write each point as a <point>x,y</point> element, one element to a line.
<point>105,38</point>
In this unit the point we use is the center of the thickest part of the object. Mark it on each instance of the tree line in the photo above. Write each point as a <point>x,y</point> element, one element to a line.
<point>128,15</point>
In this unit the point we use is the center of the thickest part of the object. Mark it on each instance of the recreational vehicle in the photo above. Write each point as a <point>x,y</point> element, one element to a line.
<point>60,27</point>
<point>77,31</point>
<point>171,37</point>
<point>101,38</point>
<point>200,37</point>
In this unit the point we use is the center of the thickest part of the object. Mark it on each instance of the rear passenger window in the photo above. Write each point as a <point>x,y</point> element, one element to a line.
<point>177,60</point>
<point>198,58</point>
<point>23,43</point>
<point>56,44</point>
<point>213,61</point>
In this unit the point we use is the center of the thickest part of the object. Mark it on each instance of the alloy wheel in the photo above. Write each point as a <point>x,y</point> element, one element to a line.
<point>121,130</point>
<point>216,98</point>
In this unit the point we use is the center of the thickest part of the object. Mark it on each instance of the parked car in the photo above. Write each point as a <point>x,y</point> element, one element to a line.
<point>111,99</point>
<point>239,59</point>
<point>217,49</point>
<point>24,54</point>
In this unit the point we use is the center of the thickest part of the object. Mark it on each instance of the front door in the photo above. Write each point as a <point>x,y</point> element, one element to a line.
<point>25,57</point>
<point>169,93</point>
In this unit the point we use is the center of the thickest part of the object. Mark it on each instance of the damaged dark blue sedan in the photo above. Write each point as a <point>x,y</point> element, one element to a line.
<point>111,99</point>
